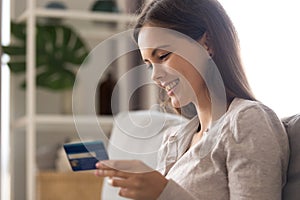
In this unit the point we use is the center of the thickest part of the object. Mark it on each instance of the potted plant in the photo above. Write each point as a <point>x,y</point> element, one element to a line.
<point>59,51</point>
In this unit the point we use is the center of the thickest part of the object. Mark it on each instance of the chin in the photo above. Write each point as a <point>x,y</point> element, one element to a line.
<point>177,104</point>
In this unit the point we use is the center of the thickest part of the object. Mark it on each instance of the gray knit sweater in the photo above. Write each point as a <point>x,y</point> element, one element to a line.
<point>243,156</point>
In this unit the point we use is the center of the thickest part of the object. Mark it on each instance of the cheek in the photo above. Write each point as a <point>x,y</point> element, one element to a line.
<point>193,84</point>
<point>190,76</point>
<point>177,66</point>
<point>196,81</point>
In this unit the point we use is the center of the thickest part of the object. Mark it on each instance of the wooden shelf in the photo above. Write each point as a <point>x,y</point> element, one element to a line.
<point>90,29</point>
<point>80,15</point>
<point>57,123</point>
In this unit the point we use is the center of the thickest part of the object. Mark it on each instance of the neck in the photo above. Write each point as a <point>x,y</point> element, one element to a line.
<point>204,115</point>
<point>205,118</point>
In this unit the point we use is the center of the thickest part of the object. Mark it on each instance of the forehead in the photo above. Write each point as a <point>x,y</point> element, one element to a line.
<point>154,37</point>
<point>167,39</point>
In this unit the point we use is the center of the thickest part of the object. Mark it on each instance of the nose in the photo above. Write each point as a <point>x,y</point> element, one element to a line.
<point>157,72</point>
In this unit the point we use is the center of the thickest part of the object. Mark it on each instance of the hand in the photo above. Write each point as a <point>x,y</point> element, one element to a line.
<point>135,179</point>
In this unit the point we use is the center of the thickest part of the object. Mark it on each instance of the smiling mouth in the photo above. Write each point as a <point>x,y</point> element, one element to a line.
<point>172,85</point>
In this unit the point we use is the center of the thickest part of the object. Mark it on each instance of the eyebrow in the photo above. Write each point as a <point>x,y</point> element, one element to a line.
<point>157,48</point>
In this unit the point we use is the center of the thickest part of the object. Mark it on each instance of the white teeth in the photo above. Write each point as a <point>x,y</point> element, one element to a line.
<point>171,85</point>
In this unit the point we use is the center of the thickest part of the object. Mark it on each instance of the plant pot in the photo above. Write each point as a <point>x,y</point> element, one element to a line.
<point>130,6</point>
<point>104,6</point>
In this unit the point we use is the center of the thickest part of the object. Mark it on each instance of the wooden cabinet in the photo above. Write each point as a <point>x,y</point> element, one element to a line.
<point>68,186</point>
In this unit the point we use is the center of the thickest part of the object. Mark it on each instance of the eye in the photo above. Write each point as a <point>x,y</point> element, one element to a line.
<point>164,56</point>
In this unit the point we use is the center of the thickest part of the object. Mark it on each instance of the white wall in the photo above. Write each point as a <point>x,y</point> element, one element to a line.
<point>269,33</point>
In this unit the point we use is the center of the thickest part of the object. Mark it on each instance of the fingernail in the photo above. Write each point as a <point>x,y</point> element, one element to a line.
<point>109,181</point>
<point>100,172</point>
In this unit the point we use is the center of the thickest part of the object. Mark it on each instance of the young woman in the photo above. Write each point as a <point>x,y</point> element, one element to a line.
<point>236,147</point>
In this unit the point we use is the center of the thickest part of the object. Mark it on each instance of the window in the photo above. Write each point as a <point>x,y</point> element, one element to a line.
<point>269,34</point>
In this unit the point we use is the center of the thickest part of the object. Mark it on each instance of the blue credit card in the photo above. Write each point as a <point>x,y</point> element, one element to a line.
<point>84,155</point>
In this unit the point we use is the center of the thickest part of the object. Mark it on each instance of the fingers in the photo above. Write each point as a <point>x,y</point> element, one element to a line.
<point>125,192</point>
<point>101,165</point>
<point>128,183</point>
<point>136,186</point>
<point>116,182</point>
<point>106,170</point>
<point>133,166</point>
<point>111,173</point>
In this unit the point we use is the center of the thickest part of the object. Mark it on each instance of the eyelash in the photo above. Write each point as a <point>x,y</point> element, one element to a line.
<point>164,56</point>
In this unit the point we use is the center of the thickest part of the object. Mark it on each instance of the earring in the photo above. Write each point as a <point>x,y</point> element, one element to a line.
<point>210,53</point>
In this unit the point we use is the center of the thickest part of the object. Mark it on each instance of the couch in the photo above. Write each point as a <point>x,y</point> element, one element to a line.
<point>291,191</point>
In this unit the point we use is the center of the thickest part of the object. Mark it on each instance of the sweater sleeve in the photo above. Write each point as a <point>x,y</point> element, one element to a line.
<point>257,155</point>
<point>175,192</point>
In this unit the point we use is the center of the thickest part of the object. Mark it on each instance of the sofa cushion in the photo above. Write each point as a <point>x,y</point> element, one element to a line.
<point>291,190</point>
<point>137,135</point>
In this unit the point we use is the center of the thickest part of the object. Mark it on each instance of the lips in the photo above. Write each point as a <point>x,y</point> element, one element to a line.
<point>171,85</point>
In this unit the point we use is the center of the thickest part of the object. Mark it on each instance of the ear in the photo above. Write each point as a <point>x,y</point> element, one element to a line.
<point>205,42</point>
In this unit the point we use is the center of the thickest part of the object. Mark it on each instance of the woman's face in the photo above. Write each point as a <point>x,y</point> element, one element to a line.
<point>174,73</point>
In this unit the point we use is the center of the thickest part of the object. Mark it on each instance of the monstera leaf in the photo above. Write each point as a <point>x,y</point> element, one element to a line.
<point>59,51</point>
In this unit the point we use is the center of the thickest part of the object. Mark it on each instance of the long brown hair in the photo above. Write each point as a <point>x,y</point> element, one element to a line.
<point>194,18</point>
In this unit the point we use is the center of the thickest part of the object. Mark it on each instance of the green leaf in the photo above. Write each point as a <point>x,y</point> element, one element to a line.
<point>50,33</point>
<point>77,60</point>
<point>41,60</point>
<point>56,80</point>
<point>19,31</point>
<point>78,45</point>
<point>40,41</point>
<point>14,50</point>
<point>66,36</point>
<point>56,47</point>
<point>17,67</point>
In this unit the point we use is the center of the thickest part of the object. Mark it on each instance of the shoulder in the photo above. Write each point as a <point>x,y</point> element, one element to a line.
<point>252,118</point>
<point>241,107</point>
